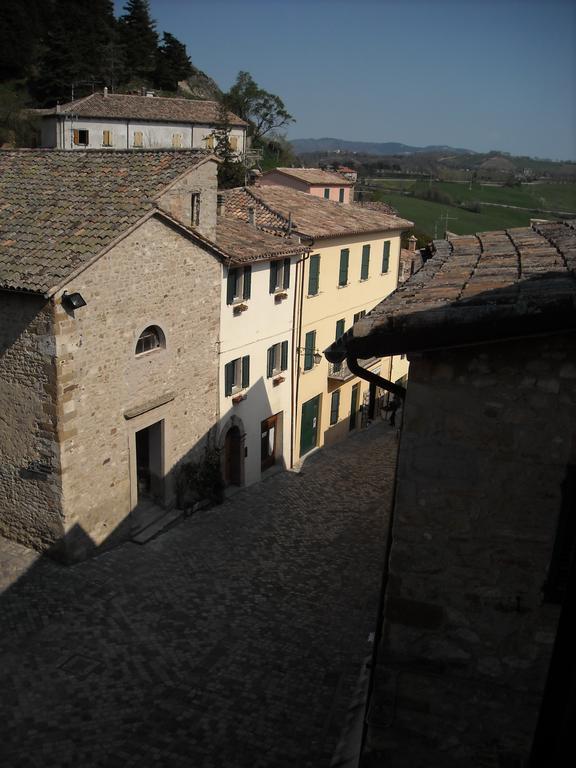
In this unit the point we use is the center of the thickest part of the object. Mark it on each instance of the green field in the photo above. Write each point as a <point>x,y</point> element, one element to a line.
<point>429,216</point>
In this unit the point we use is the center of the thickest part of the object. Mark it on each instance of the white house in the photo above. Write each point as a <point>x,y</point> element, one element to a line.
<point>121,121</point>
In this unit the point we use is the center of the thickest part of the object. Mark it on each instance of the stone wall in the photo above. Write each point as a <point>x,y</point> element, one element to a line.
<point>155,276</point>
<point>177,200</point>
<point>487,439</point>
<point>29,458</point>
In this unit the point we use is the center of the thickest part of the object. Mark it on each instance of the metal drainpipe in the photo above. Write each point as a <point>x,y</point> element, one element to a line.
<point>363,373</point>
<point>296,358</point>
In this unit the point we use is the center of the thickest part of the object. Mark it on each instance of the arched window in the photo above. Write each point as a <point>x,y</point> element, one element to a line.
<point>151,338</point>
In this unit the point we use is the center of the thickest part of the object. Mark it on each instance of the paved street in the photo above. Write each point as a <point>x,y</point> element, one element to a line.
<point>233,640</point>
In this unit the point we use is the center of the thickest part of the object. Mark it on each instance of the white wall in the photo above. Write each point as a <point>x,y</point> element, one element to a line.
<point>252,332</point>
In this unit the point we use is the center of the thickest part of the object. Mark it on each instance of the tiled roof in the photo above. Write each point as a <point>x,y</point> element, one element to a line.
<point>240,201</point>
<point>59,209</point>
<point>311,216</point>
<point>376,205</point>
<point>313,176</point>
<point>477,287</point>
<point>243,242</point>
<point>119,106</point>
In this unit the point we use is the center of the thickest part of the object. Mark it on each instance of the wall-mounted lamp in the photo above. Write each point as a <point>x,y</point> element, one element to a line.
<point>316,355</point>
<point>73,300</point>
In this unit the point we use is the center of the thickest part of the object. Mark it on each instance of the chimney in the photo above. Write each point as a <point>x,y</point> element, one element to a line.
<point>289,233</point>
<point>251,216</point>
<point>220,206</point>
<point>57,106</point>
<point>412,244</point>
<point>105,91</point>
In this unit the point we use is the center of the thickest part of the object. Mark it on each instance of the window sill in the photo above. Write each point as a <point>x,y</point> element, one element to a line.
<point>313,295</point>
<point>238,398</point>
<point>343,286</point>
<point>239,307</point>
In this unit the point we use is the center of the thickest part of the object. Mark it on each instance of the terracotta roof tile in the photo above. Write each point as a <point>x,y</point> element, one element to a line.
<point>119,106</point>
<point>58,209</point>
<point>243,242</point>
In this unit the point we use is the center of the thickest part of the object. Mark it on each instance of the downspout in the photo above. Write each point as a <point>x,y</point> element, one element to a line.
<point>295,390</point>
<point>363,373</point>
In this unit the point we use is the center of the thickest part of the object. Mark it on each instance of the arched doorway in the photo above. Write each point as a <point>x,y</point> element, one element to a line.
<point>233,455</point>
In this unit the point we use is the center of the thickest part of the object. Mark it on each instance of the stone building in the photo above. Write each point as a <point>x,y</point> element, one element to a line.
<point>313,181</point>
<point>483,527</point>
<point>109,318</point>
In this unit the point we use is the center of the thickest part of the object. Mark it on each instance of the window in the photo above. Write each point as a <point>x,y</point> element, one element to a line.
<point>386,257</point>
<point>277,359</point>
<point>209,142</point>
<point>341,196</point>
<point>176,140</point>
<point>239,284</point>
<point>106,138</point>
<point>81,137</point>
<point>339,331</point>
<point>279,275</point>
<point>195,209</point>
<point>314,275</point>
<point>138,139</point>
<point>365,268</point>
<point>150,339</point>
<point>343,275</point>
<point>236,375</point>
<point>233,143</point>
<point>309,347</point>
<point>359,315</point>
<point>334,406</point>
<point>327,193</point>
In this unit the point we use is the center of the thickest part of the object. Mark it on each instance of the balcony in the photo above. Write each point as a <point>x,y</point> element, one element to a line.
<point>341,372</point>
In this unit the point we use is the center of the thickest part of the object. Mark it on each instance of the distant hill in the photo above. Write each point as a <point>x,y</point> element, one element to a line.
<point>303,146</point>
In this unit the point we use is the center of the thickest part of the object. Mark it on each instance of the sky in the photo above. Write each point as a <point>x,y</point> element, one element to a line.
<point>478,74</point>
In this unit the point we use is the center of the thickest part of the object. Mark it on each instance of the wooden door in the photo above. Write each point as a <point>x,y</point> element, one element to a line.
<point>269,436</point>
<point>309,425</point>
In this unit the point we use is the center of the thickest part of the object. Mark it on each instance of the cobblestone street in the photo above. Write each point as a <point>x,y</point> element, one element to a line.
<point>233,640</point>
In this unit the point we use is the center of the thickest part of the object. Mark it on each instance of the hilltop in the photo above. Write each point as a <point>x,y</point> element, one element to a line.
<point>305,146</point>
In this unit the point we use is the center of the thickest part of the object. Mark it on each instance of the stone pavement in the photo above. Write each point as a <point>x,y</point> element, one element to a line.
<point>233,640</point>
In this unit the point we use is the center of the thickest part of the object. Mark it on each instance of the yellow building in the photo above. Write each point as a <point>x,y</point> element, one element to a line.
<point>353,264</point>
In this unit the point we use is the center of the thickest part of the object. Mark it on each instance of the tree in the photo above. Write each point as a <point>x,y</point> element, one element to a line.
<point>172,63</point>
<point>231,171</point>
<point>264,111</point>
<point>139,39</point>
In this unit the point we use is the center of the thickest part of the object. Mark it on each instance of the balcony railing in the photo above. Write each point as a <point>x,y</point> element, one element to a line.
<point>341,372</point>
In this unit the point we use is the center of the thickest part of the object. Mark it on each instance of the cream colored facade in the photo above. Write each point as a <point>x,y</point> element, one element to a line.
<point>320,314</point>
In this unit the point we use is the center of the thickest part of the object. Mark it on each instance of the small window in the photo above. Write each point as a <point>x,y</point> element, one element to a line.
<point>359,315</point>
<point>81,137</point>
<point>279,275</point>
<point>176,140</point>
<point>341,196</point>
<point>233,143</point>
<point>386,257</point>
<point>327,193</point>
<point>314,275</point>
<point>339,332</point>
<point>309,349</point>
<point>343,273</point>
<point>209,142</point>
<point>138,139</point>
<point>106,138</point>
<point>365,268</point>
<point>239,284</point>
<point>150,339</point>
<point>195,209</point>
<point>277,359</point>
<point>236,375</point>
<point>334,407</point>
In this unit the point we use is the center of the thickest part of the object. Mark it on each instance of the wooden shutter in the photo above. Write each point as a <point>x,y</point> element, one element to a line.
<point>273,275</point>
<point>231,285</point>
<point>76,134</point>
<point>343,276</point>
<point>365,268</point>
<point>341,196</point>
<point>247,287</point>
<point>270,363</point>
<point>314,275</point>
<point>386,256</point>
<point>339,328</point>
<point>246,372</point>
<point>286,276</point>
<point>309,346</point>
<point>229,378</point>
<point>334,406</point>
<point>284,356</point>
<point>327,193</point>
<point>233,142</point>
<point>107,138</point>
<point>138,136</point>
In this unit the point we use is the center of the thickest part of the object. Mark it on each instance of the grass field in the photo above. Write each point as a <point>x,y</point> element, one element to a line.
<point>429,216</point>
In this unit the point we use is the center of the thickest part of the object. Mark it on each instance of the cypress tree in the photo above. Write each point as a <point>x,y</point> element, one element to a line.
<point>173,63</point>
<point>139,39</point>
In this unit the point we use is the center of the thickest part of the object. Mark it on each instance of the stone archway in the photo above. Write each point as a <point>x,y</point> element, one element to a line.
<point>231,446</point>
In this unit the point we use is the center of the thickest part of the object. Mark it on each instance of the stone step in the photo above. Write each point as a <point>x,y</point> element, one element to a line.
<point>161,524</point>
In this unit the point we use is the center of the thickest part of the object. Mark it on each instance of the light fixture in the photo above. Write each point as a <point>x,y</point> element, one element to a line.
<point>316,354</point>
<point>73,300</point>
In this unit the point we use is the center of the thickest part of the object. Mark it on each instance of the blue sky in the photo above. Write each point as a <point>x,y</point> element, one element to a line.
<point>480,74</point>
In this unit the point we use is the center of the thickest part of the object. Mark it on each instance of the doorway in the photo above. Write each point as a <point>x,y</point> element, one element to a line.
<point>233,454</point>
<point>268,442</point>
<point>149,474</point>
<point>354,406</point>
<point>309,425</point>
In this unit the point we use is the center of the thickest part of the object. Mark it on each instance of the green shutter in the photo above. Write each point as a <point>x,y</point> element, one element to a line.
<point>231,285</point>
<point>327,193</point>
<point>365,269</point>
<point>343,276</point>
<point>309,347</point>
<point>334,406</point>
<point>270,363</point>
<point>284,356</point>
<point>341,196</point>
<point>314,275</point>
<point>229,378</point>
<point>273,275</point>
<point>339,328</point>
<point>247,282</point>
<point>246,372</point>
<point>386,256</point>
<point>286,283</point>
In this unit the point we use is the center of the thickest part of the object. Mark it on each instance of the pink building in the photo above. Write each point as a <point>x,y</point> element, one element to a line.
<point>331,186</point>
